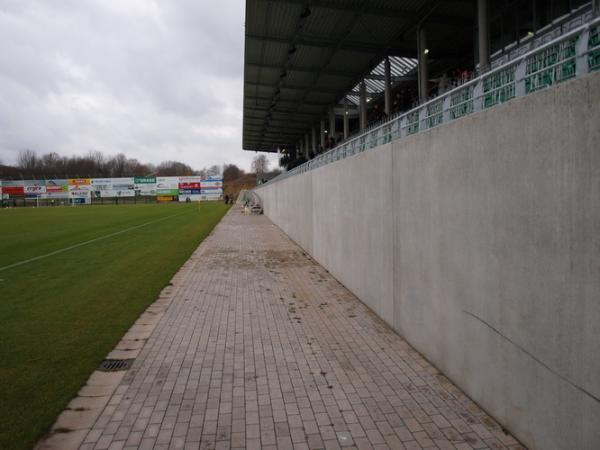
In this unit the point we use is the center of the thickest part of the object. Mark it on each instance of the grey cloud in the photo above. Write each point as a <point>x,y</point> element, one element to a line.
<point>154,79</point>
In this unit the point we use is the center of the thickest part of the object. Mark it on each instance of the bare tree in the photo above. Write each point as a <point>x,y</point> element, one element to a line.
<point>213,171</point>
<point>94,164</point>
<point>260,165</point>
<point>231,172</point>
<point>27,160</point>
<point>119,165</point>
<point>174,168</point>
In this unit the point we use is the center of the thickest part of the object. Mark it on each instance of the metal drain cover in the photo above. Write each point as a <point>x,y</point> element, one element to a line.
<point>114,365</point>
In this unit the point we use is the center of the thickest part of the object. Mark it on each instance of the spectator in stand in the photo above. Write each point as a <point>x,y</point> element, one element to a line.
<point>301,160</point>
<point>376,113</point>
<point>331,142</point>
<point>397,103</point>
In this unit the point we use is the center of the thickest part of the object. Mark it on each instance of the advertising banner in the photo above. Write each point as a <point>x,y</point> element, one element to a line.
<point>113,187</point>
<point>145,185</point>
<point>80,188</point>
<point>56,189</point>
<point>13,188</point>
<point>79,193</point>
<point>114,193</point>
<point>79,182</point>
<point>123,184</point>
<point>13,191</point>
<point>56,186</point>
<point>145,189</point>
<point>166,198</point>
<point>102,184</point>
<point>34,183</point>
<point>34,191</point>
<point>167,186</point>
<point>190,179</point>
<point>189,186</point>
<point>189,189</point>
<point>212,184</point>
<point>211,197</point>
<point>144,180</point>
<point>190,198</point>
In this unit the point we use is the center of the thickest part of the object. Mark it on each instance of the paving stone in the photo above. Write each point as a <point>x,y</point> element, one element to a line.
<point>256,346</point>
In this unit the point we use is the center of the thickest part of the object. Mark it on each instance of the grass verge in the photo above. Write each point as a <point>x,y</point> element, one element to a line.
<point>61,314</point>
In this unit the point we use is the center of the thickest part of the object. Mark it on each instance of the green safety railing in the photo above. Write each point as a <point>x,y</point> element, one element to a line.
<point>575,53</point>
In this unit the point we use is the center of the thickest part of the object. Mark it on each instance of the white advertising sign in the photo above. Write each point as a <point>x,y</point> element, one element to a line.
<point>190,198</point>
<point>211,184</point>
<point>117,193</point>
<point>79,193</point>
<point>35,190</point>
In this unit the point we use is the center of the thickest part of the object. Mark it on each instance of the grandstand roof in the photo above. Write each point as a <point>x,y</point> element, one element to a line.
<point>302,57</point>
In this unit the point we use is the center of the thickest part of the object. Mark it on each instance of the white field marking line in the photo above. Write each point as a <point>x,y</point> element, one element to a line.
<point>91,241</point>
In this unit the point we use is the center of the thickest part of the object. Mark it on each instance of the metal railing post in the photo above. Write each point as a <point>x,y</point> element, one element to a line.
<point>446,109</point>
<point>520,75</point>
<point>581,51</point>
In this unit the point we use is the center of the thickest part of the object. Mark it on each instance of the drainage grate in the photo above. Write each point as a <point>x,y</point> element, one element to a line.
<point>114,365</point>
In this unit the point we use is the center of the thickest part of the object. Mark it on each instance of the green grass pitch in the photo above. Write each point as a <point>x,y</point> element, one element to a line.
<point>60,315</point>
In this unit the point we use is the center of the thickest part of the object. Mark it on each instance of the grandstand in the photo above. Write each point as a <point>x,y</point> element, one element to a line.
<point>442,163</point>
<point>561,43</point>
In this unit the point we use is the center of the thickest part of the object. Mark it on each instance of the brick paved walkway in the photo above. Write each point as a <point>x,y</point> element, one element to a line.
<point>262,348</point>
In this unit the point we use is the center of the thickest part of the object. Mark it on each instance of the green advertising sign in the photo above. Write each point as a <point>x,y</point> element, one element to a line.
<point>167,192</point>
<point>144,180</point>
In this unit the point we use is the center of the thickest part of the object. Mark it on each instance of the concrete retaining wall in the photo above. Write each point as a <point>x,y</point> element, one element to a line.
<point>479,242</point>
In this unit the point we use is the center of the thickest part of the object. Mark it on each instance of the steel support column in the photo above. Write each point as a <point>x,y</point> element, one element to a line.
<point>307,146</point>
<point>332,130</point>
<point>314,140</point>
<point>423,69</point>
<point>483,36</point>
<point>388,87</point>
<point>363,106</point>
<point>322,134</point>
<point>346,120</point>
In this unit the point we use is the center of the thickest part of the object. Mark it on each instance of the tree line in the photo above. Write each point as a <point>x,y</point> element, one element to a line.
<point>94,164</point>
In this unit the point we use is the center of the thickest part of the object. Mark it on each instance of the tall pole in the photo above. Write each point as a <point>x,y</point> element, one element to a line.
<point>363,106</point>
<point>307,146</point>
<point>483,41</point>
<point>423,70</point>
<point>314,140</point>
<point>322,134</point>
<point>346,121</point>
<point>332,130</point>
<point>388,86</point>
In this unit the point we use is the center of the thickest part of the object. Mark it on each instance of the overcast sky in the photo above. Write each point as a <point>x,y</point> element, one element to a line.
<point>155,80</point>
